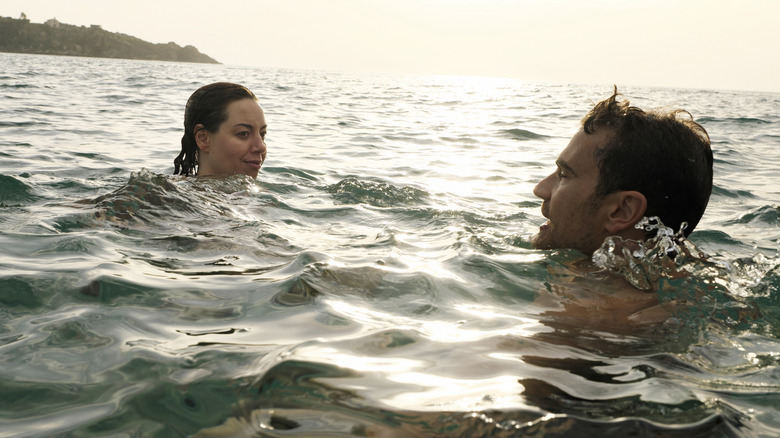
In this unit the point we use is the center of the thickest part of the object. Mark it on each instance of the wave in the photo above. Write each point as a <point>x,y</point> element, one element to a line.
<point>17,86</point>
<point>522,134</point>
<point>23,293</point>
<point>764,215</point>
<point>21,124</point>
<point>735,120</point>
<point>722,191</point>
<point>14,193</point>
<point>164,205</point>
<point>378,194</point>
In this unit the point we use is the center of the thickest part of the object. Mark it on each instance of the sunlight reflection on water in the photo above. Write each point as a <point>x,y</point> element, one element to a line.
<point>378,273</point>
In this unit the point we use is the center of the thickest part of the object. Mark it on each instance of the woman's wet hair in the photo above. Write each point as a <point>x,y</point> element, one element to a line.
<point>208,107</point>
<point>662,154</point>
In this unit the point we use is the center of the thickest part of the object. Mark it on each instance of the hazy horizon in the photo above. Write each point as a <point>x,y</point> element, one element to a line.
<point>725,45</point>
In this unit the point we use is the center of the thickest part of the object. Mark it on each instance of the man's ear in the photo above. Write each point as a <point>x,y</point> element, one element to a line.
<point>626,209</point>
<point>202,138</point>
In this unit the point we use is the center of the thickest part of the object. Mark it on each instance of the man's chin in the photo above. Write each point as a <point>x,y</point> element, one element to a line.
<point>537,242</point>
<point>541,239</point>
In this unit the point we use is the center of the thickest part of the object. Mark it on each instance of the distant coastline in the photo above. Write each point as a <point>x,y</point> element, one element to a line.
<point>55,38</point>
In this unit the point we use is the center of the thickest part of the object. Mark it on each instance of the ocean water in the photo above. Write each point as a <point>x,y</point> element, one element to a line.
<point>377,279</point>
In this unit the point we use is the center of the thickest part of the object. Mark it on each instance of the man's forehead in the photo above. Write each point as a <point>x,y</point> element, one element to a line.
<point>580,154</point>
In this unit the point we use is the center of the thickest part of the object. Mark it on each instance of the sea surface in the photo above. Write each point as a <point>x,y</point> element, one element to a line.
<point>376,279</point>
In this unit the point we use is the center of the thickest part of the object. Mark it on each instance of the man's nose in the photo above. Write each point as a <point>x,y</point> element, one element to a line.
<point>542,189</point>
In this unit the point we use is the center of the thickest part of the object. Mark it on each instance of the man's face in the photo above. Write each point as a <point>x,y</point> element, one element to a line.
<point>576,217</point>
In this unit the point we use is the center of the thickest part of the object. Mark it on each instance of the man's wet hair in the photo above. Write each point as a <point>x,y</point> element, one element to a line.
<point>206,106</point>
<point>662,154</point>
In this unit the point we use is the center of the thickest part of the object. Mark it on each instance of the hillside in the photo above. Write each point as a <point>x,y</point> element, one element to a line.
<point>55,38</point>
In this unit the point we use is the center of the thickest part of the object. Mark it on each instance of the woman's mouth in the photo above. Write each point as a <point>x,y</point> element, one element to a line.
<point>255,164</point>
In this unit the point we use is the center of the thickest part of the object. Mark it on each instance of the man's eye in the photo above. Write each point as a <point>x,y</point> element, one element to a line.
<point>560,174</point>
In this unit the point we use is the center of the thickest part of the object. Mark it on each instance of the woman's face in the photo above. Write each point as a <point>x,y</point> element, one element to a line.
<point>238,146</point>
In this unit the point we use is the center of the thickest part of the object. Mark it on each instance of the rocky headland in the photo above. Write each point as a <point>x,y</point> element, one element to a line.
<point>55,38</point>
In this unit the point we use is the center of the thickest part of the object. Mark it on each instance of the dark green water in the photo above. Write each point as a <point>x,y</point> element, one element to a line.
<point>377,279</point>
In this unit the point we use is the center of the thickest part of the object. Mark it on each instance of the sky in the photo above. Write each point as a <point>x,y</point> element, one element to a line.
<point>705,44</point>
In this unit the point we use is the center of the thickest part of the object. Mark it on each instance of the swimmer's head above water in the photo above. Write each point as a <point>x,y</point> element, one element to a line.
<point>622,165</point>
<point>224,133</point>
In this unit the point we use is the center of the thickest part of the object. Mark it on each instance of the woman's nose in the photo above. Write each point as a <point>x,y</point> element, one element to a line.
<point>260,145</point>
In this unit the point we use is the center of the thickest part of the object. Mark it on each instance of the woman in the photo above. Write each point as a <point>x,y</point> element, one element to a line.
<point>224,133</point>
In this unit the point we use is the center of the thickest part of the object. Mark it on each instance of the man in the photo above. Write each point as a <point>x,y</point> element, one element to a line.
<point>622,165</point>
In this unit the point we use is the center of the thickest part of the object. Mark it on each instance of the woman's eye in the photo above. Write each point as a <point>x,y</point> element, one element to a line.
<point>243,134</point>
